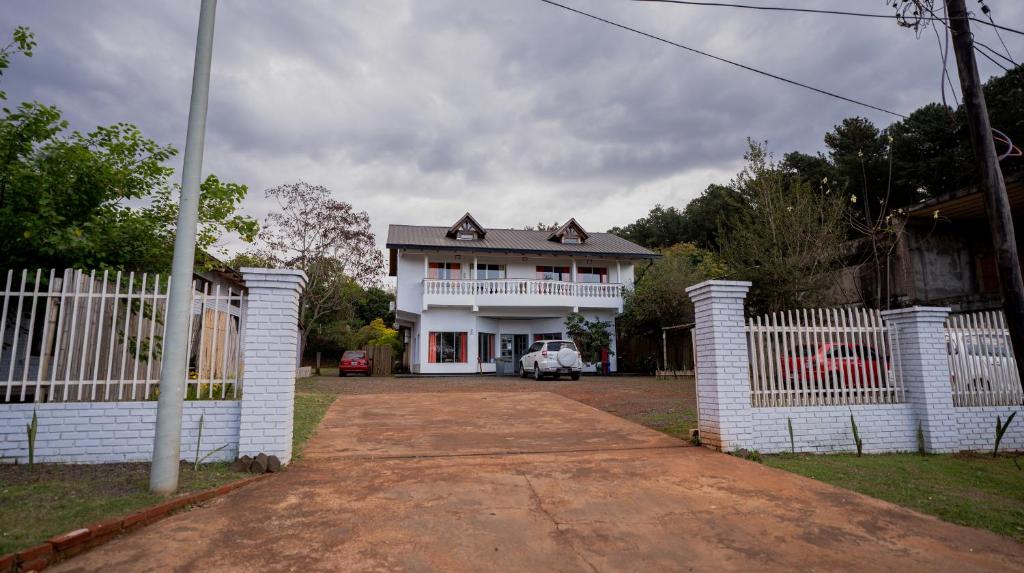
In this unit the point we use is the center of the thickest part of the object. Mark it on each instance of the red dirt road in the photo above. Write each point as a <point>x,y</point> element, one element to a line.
<point>484,481</point>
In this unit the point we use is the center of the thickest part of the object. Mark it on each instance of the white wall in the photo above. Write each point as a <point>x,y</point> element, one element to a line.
<point>107,432</point>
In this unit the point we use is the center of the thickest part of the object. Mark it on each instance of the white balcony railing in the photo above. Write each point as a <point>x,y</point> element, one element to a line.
<point>481,289</point>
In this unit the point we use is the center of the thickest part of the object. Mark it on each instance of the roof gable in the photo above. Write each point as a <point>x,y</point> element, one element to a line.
<point>466,224</point>
<point>570,233</point>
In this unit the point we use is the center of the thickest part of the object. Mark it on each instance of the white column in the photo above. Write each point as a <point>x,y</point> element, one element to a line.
<point>723,369</point>
<point>269,349</point>
<point>919,338</point>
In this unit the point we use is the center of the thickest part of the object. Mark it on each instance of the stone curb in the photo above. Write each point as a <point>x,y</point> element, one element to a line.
<point>72,543</point>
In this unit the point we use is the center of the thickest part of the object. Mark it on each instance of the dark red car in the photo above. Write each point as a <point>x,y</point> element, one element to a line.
<point>851,365</point>
<point>354,362</point>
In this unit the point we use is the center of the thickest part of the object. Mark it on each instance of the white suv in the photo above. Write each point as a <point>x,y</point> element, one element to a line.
<point>554,357</point>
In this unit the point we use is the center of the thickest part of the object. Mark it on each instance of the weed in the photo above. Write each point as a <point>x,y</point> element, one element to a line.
<point>920,439</point>
<point>856,436</point>
<point>1000,430</point>
<point>792,442</point>
<point>32,429</point>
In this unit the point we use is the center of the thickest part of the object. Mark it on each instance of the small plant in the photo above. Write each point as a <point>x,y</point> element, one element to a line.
<point>856,436</point>
<point>32,429</point>
<point>920,439</point>
<point>1000,430</point>
<point>695,437</point>
<point>792,442</point>
<point>199,441</point>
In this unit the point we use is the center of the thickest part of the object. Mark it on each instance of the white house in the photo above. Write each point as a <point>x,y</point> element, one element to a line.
<point>468,295</point>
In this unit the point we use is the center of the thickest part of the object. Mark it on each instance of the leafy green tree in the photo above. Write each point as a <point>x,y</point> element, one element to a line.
<point>662,227</point>
<point>659,298</point>
<point>22,42</point>
<point>374,302</point>
<point>787,240</point>
<point>706,216</point>
<point>376,333</point>
<point>591,336</point>
<point>72,199</point>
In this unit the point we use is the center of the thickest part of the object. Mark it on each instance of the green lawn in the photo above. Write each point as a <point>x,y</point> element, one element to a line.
<point>969,489</point>
<point>55,498</point>
<point>676,423</point>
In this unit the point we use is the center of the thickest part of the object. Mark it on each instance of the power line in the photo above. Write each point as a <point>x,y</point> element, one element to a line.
<point>819,11</point>
<point>721,59</point>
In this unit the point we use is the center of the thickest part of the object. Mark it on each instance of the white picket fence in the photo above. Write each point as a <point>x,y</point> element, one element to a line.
<point>982,367</point>
<point>98,336</point>
<point>822,357</point>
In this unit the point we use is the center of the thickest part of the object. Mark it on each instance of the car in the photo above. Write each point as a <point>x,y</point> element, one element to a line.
<point>551,357</point>
<point>849,365</point>
<point>354,362</point>
<point>982,362</point>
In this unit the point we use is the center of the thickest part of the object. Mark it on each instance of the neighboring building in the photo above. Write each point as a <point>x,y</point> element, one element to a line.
<point>943,256</point>
<point>469,295</point>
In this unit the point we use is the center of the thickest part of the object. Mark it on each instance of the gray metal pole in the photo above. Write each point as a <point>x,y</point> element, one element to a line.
<point>163,478</point>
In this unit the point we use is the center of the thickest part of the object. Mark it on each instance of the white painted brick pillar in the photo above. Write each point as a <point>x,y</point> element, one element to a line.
<point>270,345</point>
<point>723,369</point>
<point>919,340</point>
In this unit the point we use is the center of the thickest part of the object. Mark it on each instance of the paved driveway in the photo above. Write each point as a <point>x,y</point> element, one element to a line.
<point>536,482</point>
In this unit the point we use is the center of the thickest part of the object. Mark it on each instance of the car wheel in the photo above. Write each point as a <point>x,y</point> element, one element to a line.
<point>341,373</point>
<point>522,371</point>
<point>537,373</point>
<point>575,375</point>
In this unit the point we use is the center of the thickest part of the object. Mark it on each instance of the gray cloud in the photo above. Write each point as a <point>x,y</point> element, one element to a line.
<point>518,111</point>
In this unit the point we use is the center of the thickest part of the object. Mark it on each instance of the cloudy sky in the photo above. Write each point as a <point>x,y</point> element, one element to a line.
<point>417,111</point>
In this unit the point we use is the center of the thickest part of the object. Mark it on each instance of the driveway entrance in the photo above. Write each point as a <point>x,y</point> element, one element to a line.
<point>535,482</point>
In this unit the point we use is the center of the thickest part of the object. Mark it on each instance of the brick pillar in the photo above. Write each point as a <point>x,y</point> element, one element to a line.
<point>919,346</point>
<point>270,347</point>
<point>722,365</point>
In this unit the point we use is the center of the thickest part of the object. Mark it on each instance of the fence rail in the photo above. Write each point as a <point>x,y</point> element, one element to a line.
<point>530,287</point>
<point>822,357</point>
<point>98,336</point>
<point>982,368</point>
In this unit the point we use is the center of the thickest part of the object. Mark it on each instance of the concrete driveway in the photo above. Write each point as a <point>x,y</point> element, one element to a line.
<point>536,482</point>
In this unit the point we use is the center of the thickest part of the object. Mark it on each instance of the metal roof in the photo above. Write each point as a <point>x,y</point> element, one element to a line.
<point>968,204</point>
<point>514,241</point>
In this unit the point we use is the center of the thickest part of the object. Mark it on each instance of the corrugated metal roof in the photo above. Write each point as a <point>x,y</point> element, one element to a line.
<point>515,241</point>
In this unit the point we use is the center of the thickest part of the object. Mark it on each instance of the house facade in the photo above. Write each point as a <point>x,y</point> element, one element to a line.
<point>472,299</point>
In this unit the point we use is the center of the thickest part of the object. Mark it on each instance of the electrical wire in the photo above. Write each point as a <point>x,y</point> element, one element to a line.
<point>721,59</point>
<point>818,11</point>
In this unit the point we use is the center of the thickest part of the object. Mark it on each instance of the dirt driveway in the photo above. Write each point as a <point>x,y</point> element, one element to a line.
<point>533,481</point>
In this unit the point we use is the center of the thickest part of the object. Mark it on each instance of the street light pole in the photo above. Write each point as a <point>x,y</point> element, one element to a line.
<point>163,478</point>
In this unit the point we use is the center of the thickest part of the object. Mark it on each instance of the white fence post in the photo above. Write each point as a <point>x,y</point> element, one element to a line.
<point>921,350</point>
<point>269,350</point>
<point>722,364</point>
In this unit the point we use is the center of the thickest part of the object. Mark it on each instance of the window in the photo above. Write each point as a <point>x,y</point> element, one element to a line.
<point>535,347</point>
<point>548,336</point>
<point>451,271</point>
<point>489,271</point>
<point>556,346</point>
<point>446,347</point>
<point>571,240</point>
<point>485,348</point>
<point>466,236</point>
<point>553,273</point>
<point>592,274</point>
<point>353,355</point>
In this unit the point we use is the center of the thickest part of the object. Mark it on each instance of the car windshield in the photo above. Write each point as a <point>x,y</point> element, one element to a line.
<point>353,355</point>
<point>556,346</point>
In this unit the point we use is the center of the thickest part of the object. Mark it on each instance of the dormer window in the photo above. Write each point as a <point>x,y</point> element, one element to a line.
<point>570,233</point>
<point>466,229</point>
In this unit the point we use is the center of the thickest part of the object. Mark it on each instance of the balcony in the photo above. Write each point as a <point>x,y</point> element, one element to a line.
<point>520,292</point>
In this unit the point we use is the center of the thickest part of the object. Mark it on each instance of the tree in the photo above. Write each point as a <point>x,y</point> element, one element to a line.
<point>662,227</point>
<point>659,298</point>
<point>327,239</point>
<point>376,333</point>
<point>591,337</point>
<point>931,154</point>
<point>787,240</point>
<point>375,302</point>
<point>22,42</point>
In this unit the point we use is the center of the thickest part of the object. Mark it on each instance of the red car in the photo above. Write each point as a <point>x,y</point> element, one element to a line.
<point>354,362</point>
<point>851,365</point>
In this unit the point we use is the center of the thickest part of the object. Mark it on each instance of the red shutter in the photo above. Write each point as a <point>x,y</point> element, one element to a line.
<point>432,348</point>
<point>462,347</point>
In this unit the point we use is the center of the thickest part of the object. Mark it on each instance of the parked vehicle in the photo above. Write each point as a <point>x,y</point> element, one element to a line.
<point>354,362</point>
<point>982,361</point>
<point>851,365</point>
<point>552,357</point>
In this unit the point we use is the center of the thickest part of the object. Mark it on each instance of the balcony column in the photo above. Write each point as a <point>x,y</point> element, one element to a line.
<point>426,275</point>
<point>575,289</point>
<point>475,286</point>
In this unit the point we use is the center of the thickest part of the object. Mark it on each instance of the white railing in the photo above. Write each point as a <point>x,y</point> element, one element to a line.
<point>982,368</point>
<point>527,287</point>
<point>98,336</point>
<point>822,357</point>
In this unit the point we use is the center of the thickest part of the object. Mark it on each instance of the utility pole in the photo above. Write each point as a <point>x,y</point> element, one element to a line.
<point>990,178</point>
<point>163,477</point>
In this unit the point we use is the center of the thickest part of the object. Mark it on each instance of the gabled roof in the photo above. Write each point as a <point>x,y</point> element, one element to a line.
<point>467,222</point>
<point>570,227</point>
<point>514,241</point>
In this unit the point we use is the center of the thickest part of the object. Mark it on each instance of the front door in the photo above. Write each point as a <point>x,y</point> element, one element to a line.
<point>514,346</point>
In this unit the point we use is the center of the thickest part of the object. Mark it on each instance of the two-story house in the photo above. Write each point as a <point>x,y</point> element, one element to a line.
<point>468,295</point>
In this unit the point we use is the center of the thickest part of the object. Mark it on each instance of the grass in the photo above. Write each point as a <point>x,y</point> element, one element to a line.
<point>55,498</point>
<point>676,423</point>
<point>969,489</point>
